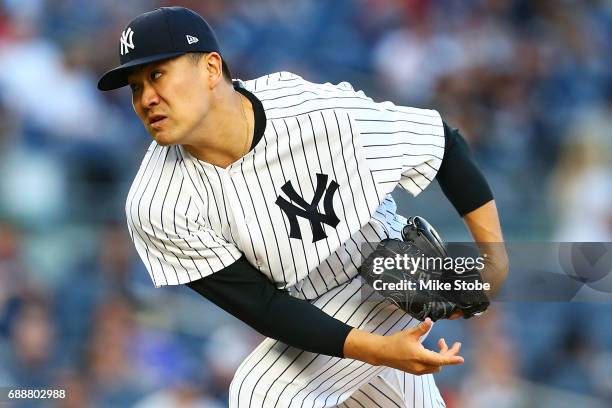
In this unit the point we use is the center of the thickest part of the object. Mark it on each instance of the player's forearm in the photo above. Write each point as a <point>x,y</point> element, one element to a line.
<point>248,295</point>
<point>485,228</point>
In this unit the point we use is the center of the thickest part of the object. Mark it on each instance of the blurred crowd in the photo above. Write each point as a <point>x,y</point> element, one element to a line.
<point>527,82</point>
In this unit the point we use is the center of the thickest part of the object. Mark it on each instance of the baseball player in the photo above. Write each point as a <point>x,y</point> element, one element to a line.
<point>259,195</point>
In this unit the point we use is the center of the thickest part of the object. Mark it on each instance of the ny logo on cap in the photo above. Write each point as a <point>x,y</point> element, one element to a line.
<point>191,39</point>
<point>126,41</point>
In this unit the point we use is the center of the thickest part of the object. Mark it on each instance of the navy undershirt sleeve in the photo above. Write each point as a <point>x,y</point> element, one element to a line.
<point>459,176</point>
<point>248,295</point>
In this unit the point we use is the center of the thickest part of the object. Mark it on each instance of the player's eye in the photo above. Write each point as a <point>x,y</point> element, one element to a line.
<point>155,75</point>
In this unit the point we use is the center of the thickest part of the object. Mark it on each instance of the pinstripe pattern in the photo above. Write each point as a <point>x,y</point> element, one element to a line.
<point>189,219</point>
<point>277,375</point>
<point>367,148</point>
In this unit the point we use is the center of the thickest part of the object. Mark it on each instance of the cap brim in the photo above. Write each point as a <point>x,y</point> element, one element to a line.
<point>118,77</point>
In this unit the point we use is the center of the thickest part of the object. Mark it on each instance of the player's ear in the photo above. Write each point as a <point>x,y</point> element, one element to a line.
<point>214,68</point>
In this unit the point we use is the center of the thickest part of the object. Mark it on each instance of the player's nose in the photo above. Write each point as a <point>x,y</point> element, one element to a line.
<point>149,96</point>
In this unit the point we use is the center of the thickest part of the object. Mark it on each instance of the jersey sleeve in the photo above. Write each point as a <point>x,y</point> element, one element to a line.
<point>402,145</point>
<point>165,225</point>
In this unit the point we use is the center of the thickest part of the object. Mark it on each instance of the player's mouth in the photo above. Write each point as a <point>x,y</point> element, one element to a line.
<point>156,121</point>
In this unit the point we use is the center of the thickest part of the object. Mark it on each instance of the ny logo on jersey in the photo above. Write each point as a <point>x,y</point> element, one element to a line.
<point>303,209</point>
<point>127,41</point>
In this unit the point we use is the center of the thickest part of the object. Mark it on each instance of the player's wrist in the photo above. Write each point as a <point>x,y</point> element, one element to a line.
<point>364,346</point>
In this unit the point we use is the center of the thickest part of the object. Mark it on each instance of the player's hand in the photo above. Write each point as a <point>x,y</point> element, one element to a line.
<point>405,352</point>
<point>402,350</point>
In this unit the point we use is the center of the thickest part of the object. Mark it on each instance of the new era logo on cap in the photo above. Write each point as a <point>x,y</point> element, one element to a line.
<point>191,39</point>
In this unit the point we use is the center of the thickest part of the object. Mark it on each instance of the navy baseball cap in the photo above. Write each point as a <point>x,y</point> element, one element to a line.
<point>156,35</point>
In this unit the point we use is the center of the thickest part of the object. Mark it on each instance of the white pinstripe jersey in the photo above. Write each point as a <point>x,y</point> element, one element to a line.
<point>327,163</point>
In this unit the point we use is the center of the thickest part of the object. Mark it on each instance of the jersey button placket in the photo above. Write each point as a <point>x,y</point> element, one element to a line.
<point>235,188</point>
<point>241,194</point>
<point>240,204</point>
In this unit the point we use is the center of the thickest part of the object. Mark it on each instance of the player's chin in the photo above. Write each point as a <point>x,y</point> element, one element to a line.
<point>162,138</point>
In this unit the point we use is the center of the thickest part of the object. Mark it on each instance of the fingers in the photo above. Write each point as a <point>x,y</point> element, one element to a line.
<point>443,346</point>
<point>449,357</point>
<point>424,361</point>
<point>454,350</point>
<point>423,327</point>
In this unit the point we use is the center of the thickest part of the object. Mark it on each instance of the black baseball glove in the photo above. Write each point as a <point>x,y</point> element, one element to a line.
<point>418,287</point>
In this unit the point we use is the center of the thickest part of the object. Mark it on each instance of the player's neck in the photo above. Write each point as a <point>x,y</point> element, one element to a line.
<point>225,135</point>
